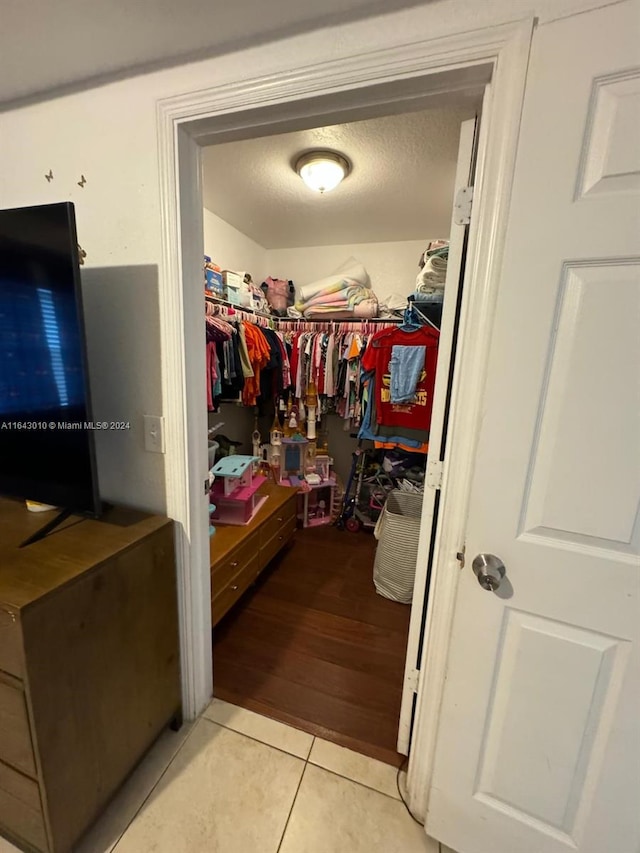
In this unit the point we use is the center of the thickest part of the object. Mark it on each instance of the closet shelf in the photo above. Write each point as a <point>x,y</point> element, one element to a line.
<point>215,301</point>
<point>302,320</point>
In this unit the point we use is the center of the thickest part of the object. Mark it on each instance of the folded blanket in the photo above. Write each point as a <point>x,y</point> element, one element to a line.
<point>364,310</point>
<point>349,274</point>
<point>346,298</point>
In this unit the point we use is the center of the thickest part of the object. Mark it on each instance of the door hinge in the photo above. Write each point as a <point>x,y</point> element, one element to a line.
<point>434,474</point>
<point>462,206</point>
<point>413,680</point>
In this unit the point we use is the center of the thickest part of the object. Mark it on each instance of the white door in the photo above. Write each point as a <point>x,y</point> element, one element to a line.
<point>539,743</point>
<point>418,609</point>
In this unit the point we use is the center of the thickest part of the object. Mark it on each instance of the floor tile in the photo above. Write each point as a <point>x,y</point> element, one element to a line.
<point>261,728</point>
<point>357,767</point>
<point>334,815</point>
<point>104,834</point>
<point>223,792</point>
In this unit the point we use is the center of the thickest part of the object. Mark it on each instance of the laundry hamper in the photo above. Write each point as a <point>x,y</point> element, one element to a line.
<point>397,532</point>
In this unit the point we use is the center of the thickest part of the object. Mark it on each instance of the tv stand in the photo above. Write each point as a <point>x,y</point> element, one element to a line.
<point>47,528</point>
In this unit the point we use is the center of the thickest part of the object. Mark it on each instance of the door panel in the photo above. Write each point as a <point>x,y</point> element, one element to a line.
<point>581,486</point>
<point>582,670</point>
<point>539,745</point>
<point>611,161</point>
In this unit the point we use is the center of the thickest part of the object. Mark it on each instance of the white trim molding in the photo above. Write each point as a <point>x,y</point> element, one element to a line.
<point>497,147</point>
<point>460,62</point>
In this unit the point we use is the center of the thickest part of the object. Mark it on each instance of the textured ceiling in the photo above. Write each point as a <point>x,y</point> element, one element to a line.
<point>53,45</point>
<point>400,186</point>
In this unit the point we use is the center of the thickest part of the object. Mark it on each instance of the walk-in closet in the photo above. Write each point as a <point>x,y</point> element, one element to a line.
<point>327,274</point>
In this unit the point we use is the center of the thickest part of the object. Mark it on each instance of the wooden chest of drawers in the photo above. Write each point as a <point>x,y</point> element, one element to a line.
<point>89,666</point>
<point>239,554</point>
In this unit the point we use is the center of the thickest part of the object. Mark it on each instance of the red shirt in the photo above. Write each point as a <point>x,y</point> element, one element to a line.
<point>415,415</point>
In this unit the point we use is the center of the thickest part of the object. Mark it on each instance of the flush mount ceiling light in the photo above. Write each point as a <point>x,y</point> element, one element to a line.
<point>322,171</point>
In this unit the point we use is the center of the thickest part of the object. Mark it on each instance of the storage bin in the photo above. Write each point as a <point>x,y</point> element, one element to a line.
<point>397,531</point>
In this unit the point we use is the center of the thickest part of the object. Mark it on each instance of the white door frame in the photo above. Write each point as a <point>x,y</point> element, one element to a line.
<point>429,69</point>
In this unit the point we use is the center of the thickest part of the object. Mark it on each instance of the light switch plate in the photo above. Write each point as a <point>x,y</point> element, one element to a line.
<point>154,433</point>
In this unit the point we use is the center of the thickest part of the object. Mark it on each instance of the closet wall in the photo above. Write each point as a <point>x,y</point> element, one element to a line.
<point>231,249</point>
<point>392,267</point>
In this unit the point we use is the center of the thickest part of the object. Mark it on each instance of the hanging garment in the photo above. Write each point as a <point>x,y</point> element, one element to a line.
<point>247,369</point>
<point>211,373</point>
<point>233,380</point>
<point>259,352</point>
<point>415,414</point>
<point>368,426</point>
<point>406,365</point>
<point>271,373</point>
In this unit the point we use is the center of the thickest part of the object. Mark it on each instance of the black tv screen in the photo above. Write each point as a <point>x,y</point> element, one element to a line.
<point>46,437</point>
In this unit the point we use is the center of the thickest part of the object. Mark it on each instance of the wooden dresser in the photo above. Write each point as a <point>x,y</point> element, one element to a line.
<point>239,554</point>
<point>89,665</point>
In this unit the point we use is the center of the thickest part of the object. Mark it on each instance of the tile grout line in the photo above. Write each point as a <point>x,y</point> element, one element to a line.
<point>241,734</point>
<point>307,760</point>
<point>263,742</point>
<point>355,781</point>
<point>295,797</point>
<point>155,785</point>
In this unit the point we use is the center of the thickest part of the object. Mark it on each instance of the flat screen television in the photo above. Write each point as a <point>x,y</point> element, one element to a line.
<point>47,451</point>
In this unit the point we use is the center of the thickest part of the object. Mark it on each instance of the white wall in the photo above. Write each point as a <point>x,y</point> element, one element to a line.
<point>392,267</point>
<point>231,249</point>
<point>109,135</point>
<point>125,378</point>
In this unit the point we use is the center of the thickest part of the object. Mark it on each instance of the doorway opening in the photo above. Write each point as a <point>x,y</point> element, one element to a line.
<point>400,78</point>
<point>306,296</point>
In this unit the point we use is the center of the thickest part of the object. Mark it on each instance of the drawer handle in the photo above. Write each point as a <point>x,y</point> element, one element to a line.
<point>280,520</point>
<point>234,587</point>
<point>235,563</point>
<point>280,538</point>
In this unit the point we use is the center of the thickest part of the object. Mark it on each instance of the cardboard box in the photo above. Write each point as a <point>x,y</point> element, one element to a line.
<point>232,279</point>
<point>214,283</point>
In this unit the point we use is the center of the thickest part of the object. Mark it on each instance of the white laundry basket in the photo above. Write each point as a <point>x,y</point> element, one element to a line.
<point>397,533</point>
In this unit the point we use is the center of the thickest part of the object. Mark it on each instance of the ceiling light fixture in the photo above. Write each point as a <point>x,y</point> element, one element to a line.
<point>322,171</point>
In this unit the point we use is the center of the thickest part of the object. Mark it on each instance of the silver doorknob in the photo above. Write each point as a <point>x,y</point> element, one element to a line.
<point>489,570</point>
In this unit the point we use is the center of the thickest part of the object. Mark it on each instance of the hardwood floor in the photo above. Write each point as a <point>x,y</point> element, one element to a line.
<point>312,644</point>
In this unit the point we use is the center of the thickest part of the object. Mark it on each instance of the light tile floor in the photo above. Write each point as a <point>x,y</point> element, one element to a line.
<point>236,782</point>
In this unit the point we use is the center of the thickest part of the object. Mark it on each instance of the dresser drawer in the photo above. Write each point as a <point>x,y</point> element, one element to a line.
<point>20,809</point>
<point>223,570</point>
<point>15,735</point>
<point>10,642</point>
<point>278,520</point>
<point>227,597</point>
<point>283,534</point>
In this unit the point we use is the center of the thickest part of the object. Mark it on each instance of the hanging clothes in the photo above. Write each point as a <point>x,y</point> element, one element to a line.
<point>398,398</point>
<point>218,332</point>
<point>259,353</point>
<point>256,363</point>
